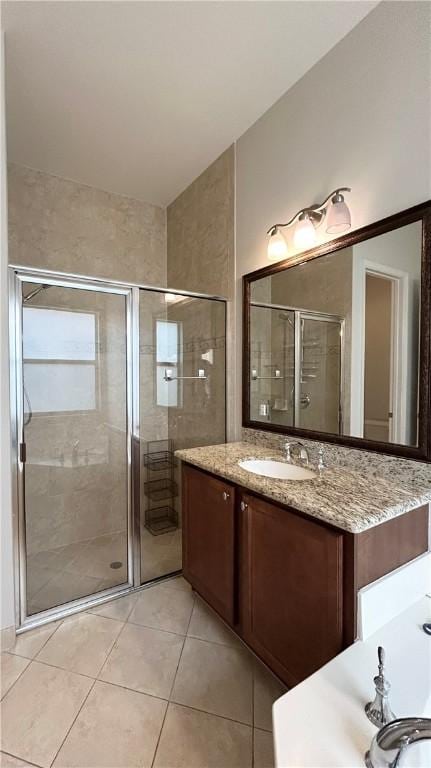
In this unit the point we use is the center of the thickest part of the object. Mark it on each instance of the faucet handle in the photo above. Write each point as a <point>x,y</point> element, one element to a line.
<point>286,446</point>
<point>379,710</point>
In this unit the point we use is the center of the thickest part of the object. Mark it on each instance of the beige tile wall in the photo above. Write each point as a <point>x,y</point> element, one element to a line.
<point>58,224</point>
<point>201,232</point>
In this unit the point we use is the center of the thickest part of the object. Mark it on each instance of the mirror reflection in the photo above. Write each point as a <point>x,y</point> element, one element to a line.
<point>334,342</point>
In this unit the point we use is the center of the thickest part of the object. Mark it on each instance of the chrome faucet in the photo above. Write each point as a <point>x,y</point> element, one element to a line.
<point>379,710</point>
<point>394,738</point>
<point>299,449</point>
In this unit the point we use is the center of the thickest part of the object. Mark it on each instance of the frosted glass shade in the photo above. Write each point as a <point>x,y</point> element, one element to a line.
<point>277,247</point>
<point>305,235</point>
<point>338,219</point>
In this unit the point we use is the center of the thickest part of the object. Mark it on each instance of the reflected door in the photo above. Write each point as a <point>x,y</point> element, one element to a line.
<point>272,365</point>
<point>75,433</point>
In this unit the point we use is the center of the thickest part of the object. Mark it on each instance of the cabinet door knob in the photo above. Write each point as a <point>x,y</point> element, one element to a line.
<point>244,506</point>
<point>226,496</point>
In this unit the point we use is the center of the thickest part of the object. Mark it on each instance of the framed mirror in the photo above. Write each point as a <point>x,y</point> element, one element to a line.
<point>336,341</point>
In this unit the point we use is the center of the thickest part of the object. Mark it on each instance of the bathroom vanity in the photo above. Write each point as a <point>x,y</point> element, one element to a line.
<point>282,561</point>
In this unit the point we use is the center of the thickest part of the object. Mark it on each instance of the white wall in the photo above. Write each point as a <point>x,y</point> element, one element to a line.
<point>7,614</point>
<point>361,118</point>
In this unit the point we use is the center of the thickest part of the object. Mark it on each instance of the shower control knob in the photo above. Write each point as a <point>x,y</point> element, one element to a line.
<point>244,506</point>
<point>226,496</point>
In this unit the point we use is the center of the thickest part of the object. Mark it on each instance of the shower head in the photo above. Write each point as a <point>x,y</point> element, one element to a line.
<point>34,293</point>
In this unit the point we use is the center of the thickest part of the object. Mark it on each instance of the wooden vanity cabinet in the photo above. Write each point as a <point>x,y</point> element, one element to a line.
<point>284,581</point>
<point>208,506</point>
<point>291,596</point>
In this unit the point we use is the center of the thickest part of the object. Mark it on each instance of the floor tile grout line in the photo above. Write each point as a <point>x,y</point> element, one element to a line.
<point>157,629</point>
<point>113,644</point>
<point>110,650</point>
<point>173,681</point>
<point>96,612</point>
<point>213,714</point>
<point>17,757</point>
<point>62,669</point>
<point>72,724</point>
<point>182,649</point>
<point>20,675</point>
<point>33,658</point>
<point>132,690</point>
<point>160,734</point>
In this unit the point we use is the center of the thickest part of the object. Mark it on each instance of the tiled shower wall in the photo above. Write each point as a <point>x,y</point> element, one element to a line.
<point>200,223</point>
<point>58,224</point>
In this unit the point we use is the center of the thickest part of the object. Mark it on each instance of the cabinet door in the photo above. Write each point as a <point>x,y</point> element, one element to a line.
<point>209,538</point>
<point>291,589</point>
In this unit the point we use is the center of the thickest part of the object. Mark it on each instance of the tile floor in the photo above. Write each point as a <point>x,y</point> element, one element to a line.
<point>65,573</point>
<point>153,679</point>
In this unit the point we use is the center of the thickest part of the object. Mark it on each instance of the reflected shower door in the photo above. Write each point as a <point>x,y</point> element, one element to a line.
<point>75,431</point>
<point>319,376</point>
<point>272,365</point>
<point>182,405</point>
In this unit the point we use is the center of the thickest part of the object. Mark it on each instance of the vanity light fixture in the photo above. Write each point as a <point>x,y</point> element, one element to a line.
<point>277,246</point>
<point>338,220</point>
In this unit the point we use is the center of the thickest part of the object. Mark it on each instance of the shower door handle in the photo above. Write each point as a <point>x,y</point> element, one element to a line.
<point>22,453</point>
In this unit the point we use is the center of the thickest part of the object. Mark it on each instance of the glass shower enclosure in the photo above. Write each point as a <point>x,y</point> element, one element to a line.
<point>109,380</point>
<point>296,367</point>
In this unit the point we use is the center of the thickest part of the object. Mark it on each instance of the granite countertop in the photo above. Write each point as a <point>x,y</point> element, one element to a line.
<point>344,497</point>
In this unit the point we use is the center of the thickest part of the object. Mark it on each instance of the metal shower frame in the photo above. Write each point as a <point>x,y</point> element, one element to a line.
<point>306,314</point>
<point>131,292</point>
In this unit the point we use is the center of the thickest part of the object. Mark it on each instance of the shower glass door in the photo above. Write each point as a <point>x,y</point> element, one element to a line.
<point>75,442</point>
<point>182,405</point>
<point>319,375</point>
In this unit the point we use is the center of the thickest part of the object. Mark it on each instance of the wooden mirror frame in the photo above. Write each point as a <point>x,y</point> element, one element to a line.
<point>421,452</point>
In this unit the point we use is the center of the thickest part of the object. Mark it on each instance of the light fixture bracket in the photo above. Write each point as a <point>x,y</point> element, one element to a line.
<point>315,213</point>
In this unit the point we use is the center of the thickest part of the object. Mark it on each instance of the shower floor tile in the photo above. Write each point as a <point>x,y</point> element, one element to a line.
<point>66,573</point>
<point>108,690</point>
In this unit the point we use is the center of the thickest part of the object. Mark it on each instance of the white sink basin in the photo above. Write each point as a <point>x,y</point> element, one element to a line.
<point>277,469</point>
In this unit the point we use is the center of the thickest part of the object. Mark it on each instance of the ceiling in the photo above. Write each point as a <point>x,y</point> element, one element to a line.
<point>138,98</point>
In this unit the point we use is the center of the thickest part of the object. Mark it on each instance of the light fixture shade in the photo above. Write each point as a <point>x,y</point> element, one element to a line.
<point>277,246</point>
<point>338,218</point>
<point>305,235</point>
